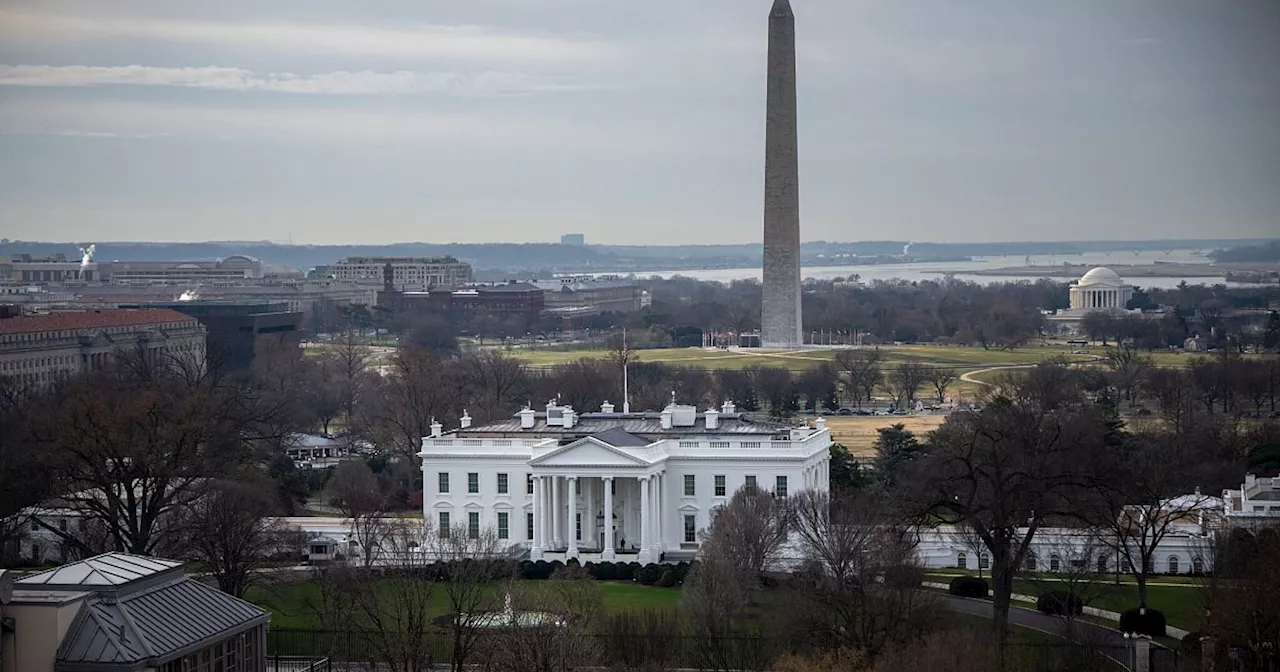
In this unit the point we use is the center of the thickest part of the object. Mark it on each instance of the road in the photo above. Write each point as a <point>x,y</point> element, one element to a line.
<point>1111,642</point>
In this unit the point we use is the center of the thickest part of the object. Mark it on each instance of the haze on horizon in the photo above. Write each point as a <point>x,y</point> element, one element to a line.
<point>635,122</point>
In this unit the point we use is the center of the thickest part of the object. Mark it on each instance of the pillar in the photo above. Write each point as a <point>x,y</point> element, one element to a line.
<point>557,521</point>
<point>645,521</point>
<point>535,550</point>
<point>609,543</point>
<point>659,489</point>
<point>572,530</point>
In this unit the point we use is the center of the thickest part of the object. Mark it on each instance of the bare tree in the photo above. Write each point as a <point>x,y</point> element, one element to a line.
<point>475,563</point>
<point>420,389</point>
<point>347,362</point>
<point>1243,614</point>
<point>750,530</point>
<point>969,538</point>
<point>712,603</point>
<point>861,369</point>
<point>1068,566</point>
<point>941,377</point>
<point>228,530</point>
<point>558,638</point>
<point>1129,370</point>
<point>1025,458</point>
<point>27,471</point>
<point>495,382</point>
<point>905,379</point>
<point>863,591</point>
<point>363,503</point>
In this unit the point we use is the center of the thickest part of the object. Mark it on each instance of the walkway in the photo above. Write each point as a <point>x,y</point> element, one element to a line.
<point>1107,639</point>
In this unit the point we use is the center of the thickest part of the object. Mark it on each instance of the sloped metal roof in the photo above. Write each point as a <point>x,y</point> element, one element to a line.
<point>616,436</point>
<point>99,572</point>
<point>152,627</point>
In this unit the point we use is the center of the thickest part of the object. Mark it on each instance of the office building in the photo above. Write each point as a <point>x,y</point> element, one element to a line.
<point>407,273</point>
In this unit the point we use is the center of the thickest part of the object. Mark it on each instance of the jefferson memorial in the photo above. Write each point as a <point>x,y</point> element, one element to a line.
<point>607,485</point>
<point>1100,288</point>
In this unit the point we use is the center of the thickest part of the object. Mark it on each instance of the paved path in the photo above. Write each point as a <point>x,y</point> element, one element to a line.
<point>1112,642</point>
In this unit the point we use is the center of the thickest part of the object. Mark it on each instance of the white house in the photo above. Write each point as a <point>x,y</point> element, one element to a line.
<point>548,481</point>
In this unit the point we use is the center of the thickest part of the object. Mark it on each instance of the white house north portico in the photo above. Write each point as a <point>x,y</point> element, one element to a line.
<point>606,485</point>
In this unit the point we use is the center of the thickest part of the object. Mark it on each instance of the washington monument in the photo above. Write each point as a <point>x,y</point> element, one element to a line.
<point>780,312</point>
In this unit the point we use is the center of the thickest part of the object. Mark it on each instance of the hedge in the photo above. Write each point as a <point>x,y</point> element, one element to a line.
<point>608,571</point>
<point>968,586</point>
<point>1060,603</point>
<point>1151,623</point>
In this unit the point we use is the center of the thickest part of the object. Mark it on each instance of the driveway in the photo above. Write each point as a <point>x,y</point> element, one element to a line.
<point>1109,641</point>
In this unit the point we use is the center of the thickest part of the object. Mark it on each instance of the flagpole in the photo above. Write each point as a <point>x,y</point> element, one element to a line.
<point>626,397</point>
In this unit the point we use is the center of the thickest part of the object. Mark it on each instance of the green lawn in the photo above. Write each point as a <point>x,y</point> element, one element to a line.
<point>292,604</point>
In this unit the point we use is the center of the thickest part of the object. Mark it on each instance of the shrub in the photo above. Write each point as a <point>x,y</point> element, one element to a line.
<point>602,571</point>
<point>626,571</point>
<point>668,578</point>
<point>1151,623</point>
<point>1059,603</point>
<point>573,562</point>
<point>968,586</point>
<point>1191,642</point>
<point>541,570</point>
<point>649,574</point>
<point>682,571</point>
<point>903,576</point>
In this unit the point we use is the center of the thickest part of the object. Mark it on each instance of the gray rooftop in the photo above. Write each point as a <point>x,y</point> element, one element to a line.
<point>640,425</point>
<point>616,436</point>
<point>153,627</point>
<point>101,572</point>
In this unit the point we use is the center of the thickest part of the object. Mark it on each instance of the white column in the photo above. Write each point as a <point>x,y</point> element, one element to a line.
<point>645,521</point>
<point>658,493</point>
<point>608,518</point>
<point>536,549</point>
<point>572,531</point>
<point>557,520</point>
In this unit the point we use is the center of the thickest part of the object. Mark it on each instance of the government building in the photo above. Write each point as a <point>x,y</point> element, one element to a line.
<point>607,485</point>
<point>1098,290</point>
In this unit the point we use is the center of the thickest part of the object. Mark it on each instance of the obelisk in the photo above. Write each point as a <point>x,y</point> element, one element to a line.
<point>780,312</point>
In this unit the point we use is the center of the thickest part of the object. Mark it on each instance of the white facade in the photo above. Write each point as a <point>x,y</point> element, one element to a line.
<point>1255,504</point>
<point>408,273</point>
<point>548,481</point>
<point>1100,289</point>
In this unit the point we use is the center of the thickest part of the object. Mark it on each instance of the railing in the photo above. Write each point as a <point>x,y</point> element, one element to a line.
<point>278,663</point>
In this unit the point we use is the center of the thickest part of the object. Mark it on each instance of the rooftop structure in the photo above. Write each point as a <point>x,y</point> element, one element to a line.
<point>121,612</point>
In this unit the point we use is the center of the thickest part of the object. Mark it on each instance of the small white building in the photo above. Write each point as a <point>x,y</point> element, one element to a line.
<point>1255,504</point>
<point>610,485</point>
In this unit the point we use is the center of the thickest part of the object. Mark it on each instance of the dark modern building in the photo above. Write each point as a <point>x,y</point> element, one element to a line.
<point>241,331</point>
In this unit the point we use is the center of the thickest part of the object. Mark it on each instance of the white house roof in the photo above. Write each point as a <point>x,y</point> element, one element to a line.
<point>101,571</point>
<point>1101,276</point>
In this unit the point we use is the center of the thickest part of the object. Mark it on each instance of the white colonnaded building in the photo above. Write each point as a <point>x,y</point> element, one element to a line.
<point>611,485</point>
<point>1098,290</point>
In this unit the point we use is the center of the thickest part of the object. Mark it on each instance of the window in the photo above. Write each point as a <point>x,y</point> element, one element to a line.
<point>1055,563</point>
<point>1029,563</point>
<point>444,524</point>
<point>719,486</point>
<point>35,526</point>
<point>502,484</point>
<point>473,524</point>
<point>1173,564</point>
<point>750,482</point>
<point>528,484</point>
<point>62,524</point>
<point>1197,565</point>
<point>473,483</point>
<point>613,486</point>
<point>444,482</point>
<point>528,525</point>
<point>503,529</point>
<point>577,526</point>
<point>690,529</point>
<point>690,485</point>
<point>962,560</point>
<point>984,561</point>
<point>780,487</point>
<point>1102,564</point>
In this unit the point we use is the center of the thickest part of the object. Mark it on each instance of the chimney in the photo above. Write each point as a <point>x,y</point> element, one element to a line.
<point>727,408</point>
<point>820,424</point>
<point>465,422</point>
<point>570,418</point>
<point>436,429</point>
<point>713,418</point>
<point>606,407</point>
<point>527,418</point>
<point>666,418</point>
<point>1250,480</point>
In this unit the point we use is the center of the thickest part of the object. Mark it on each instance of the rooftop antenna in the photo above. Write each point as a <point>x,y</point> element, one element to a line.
<point>626,396</point>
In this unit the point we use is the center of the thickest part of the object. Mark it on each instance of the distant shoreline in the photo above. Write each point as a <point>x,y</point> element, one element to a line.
<point>1170,270</point>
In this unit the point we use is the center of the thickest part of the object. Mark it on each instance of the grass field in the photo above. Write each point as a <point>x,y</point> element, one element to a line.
<point>858,433</point>
<point>292,604</point>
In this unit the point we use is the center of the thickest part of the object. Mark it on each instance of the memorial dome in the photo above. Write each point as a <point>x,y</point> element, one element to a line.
<point>1101,276</point>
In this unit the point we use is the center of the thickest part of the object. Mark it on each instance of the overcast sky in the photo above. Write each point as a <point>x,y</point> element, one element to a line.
<point>634,121</point>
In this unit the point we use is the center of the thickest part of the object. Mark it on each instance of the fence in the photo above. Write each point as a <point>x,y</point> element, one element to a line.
<point>562,651</point>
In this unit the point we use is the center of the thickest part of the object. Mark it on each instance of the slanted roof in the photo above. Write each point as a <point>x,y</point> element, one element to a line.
<point>101,572</point>
<point>153,627</point>
<point>617,436</point>
<point>98,319</point>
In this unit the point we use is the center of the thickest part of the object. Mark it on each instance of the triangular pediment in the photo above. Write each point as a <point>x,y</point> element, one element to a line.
<point>589,452</point>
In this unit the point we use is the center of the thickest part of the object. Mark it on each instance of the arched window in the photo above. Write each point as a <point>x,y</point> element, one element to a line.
<point>984,561</point>
<point>1102,564</point>
<point>1055,563</point>
<point>1030,563</point>
<point>1197,565</point>
<point>962,561</point>
<point>1173,564</point>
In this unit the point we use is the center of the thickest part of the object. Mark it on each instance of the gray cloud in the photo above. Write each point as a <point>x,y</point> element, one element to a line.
<point>334,83</point>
